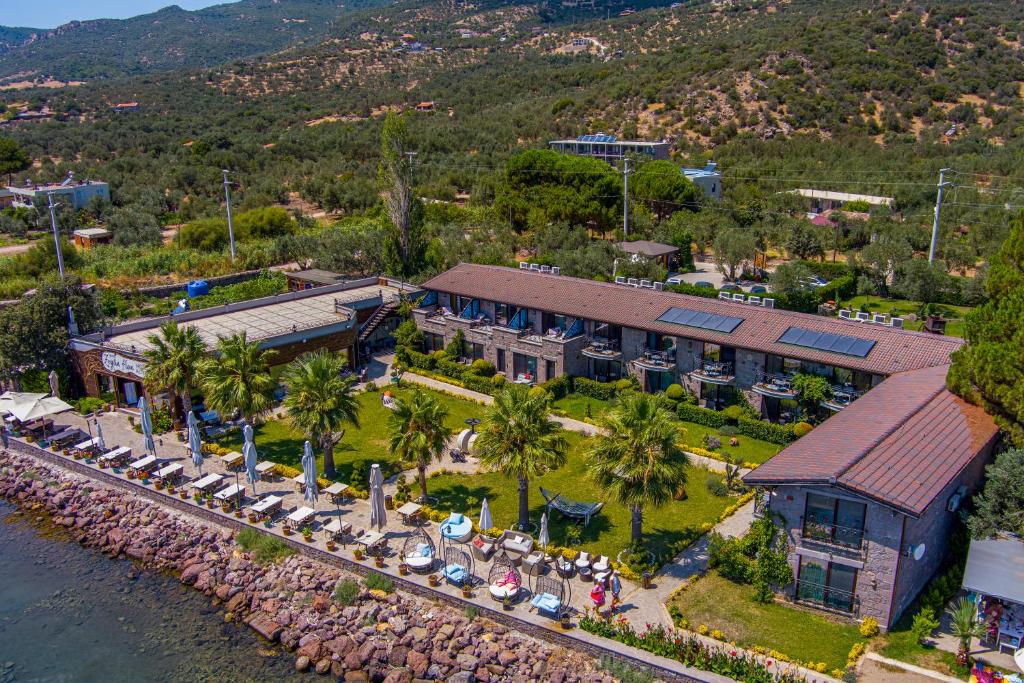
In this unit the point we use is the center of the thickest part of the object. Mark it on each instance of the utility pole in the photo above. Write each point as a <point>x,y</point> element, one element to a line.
<point>625,194</point>
<point>938,208</point>
<point>231,227</point>
<point>56,234</point>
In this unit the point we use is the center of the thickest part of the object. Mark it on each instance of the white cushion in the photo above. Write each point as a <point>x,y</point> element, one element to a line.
<point>501,592</point>
<point>418,561</point>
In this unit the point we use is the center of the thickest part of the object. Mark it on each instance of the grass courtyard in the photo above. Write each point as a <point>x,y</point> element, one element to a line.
<point>903,307</point>
<point>608,532</point>
<point>360,447</point>
<point>751,450</point>
<point>729,607</point>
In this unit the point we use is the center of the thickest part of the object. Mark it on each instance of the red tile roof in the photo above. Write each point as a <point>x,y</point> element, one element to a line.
<point>895,350</point>
<point>902,443</point>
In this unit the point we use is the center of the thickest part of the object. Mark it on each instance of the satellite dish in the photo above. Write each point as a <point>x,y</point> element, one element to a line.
<point>917,551</point>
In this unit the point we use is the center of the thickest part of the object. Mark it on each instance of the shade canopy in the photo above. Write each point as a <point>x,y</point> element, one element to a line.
<point>995,566</point>
<point>26,407</point>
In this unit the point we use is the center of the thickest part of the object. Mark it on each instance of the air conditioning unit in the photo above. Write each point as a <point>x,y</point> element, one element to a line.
<point>523,265</point>
<point>768,303</point>
<point>555,270</point>
<point>659,286</point>
<point>956,499</point>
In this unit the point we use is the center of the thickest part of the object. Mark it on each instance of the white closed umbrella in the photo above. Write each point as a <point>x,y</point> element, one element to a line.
<point>378,514</point>
<point>147,426</point>
<point>100,443</point>
<point>544,537</point>
<point>195,443</point>
<point>485,517</point>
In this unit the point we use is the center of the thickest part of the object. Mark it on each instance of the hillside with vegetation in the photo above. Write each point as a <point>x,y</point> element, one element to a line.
<point>171,38</point>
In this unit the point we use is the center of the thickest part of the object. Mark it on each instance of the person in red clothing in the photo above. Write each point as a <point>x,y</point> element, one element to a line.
<point>597,596</point>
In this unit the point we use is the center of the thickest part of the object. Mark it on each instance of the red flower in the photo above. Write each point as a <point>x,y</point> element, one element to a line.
<point>732,653</point>
<point>768,663</point>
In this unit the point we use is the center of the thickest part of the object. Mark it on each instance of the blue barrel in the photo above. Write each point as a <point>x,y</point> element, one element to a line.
<point>198,288</point>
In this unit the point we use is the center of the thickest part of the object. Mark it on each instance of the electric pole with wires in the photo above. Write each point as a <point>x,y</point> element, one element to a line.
<point>938,207</point>
<point>231,227</point>
<point>625,196</point>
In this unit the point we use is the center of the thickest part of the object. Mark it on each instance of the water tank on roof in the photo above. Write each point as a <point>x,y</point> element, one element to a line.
<point>198,288</point>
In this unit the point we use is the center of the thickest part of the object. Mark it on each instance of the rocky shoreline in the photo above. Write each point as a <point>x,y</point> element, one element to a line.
<point>394,637</point>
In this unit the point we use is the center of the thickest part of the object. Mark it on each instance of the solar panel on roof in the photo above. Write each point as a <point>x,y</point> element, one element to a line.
<point>700,319</point>
<point>826,341</point>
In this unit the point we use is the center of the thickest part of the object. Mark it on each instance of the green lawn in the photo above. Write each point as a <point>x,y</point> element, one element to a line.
<point>277,440</point>
<point>608,532</point>
<point>749,449</point>
<point>876,304</point>
<point>809,637</point>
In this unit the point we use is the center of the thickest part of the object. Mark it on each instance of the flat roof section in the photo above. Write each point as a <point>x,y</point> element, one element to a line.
<point>273,319</point>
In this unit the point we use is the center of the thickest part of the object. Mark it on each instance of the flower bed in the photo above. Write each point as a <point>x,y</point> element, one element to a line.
<point>686,649</point>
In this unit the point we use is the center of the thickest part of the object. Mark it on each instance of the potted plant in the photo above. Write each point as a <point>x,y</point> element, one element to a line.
<point>307,534</point>
<point>287,531</point>
<point>209,503</point>
<point>506,602</point>
<point>78,455</point>
<point>565,621</point>
<point>225,507</point>
<point>131,474</point>
<point>145,479</point>
<point>432,580</point>
<point>158,485</point>
<point>378,561</point>
<point>56,447</point>
<point>403,569</point>
<point>103,464</point>
<point>358,554</point>
<point>171,488</point>
<point>331,545</point>
<point>467,591</point>
<point>253,518</point>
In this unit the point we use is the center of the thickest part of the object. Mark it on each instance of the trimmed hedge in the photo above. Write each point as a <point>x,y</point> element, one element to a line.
<point>603,391</point>
<point>559,387</point>
<point>840,288</point>
<point>451,368</point>
<point>475,382</point>
<point>767,431</point>
<point>701,416</point>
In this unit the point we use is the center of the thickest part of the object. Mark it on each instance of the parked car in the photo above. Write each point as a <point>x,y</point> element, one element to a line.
<point>703,283</point>
<point>758,289</point>
<point>729,287</point>
<point>813,282</point>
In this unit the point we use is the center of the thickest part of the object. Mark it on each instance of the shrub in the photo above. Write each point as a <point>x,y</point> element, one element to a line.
<point>265,549</point>
<point>537,392</point>
<point>840,288</point>
<point>471,612</point>
<point>559,386</point>
<point>923,624</point>
<point>766,431</point>
<point>346,592</point>
<point>711,442</point>
<point>869,627</point>
<point>482,368</point>
<point>498,381</point>
<point>855,653</point>
<point>698,415</point>
<point>733,413</point>
<point>377,581</point>
<point>450,368</point>
<point>599,390</point>
<point>802,429</point>
<point>478,383</point>
<point>625,384</point>
<point>88,405</point>
<point>675,392</point>
<point>716,486</point>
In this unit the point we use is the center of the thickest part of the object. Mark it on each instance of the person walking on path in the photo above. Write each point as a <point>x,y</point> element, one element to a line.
<point>616,588</point>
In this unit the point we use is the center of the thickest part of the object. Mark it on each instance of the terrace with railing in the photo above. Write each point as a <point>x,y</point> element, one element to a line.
<point>842,396</point>
<point>826,597</point>
<point>602,349</point>
<point>834,538</point>
<point>714,372</point>
<point>775,385</point>
<point>657,360</point>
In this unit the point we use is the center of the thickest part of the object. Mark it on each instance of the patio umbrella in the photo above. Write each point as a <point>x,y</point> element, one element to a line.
<point>544,537</point>
<point>485,517</point>
<point>54,383</point>
<point>249,456</point>
<point>195,444</point>
<point>309,471</point>
<point>147,425</point>
<point>378,516</point>
<point>27,407</point>
<point>100,443</point>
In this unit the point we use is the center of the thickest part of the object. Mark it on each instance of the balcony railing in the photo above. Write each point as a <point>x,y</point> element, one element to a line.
<point>826,597</point>
<point>775,385</point>
<point>714,372</point>
<point>842,396</point>
<point>657,360</point>
<point>834,536</point>
<point>603,349</point>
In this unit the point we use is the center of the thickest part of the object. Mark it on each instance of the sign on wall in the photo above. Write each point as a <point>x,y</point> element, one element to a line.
<point>120,364</point>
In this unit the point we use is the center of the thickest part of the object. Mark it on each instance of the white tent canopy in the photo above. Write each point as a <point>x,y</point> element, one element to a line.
<point>27,407</point>
<point>995,567</point>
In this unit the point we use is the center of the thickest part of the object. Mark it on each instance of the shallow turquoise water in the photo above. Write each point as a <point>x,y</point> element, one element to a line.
<point>68,613</point>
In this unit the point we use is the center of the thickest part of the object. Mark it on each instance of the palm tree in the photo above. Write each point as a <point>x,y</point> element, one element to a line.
<point>518,439</point>
<point>171,363</point>
<point>418,432</point>
<point>238,379</point>
<point>964,626</point>
<point>320,402</point>
<point>638,458</point>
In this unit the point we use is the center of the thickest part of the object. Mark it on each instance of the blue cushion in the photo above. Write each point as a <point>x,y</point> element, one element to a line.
<point>456,518</point>
<point>455,572</point>
<point>546,602</point>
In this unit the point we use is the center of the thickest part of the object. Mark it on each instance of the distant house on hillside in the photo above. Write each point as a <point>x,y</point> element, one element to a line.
<point>425,106</point>
<point>76,193</point>
<point>823,200</point>
<point>87,238</point>
<point>708,179</point>
<point>121,107</point>
<point>610,148</point>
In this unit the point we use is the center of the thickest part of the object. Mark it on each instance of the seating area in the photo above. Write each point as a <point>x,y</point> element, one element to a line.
<point>458,567</point>
<point>516,545</point>
<point>550,596</point>
<point>457,527</point>
<point>504,580</point>
<point>570,508</point>
<point>419,551</point>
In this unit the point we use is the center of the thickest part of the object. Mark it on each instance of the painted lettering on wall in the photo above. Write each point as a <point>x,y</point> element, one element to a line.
<point>125,366</point>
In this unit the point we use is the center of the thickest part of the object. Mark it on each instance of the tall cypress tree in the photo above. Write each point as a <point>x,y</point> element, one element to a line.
<point>989,370</point>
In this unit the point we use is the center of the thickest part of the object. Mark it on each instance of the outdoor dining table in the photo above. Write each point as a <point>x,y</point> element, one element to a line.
<point>409,511</point>
<point>230,492</point>
<point>301,516</point>
<point>337,529</point>
<point>267,506</point>
<point>232,459</point>
<point>118,455</point>
<point>300,482</point>
<point>370,538</point>
<point>86,445</point>
<point>143,464</point>
<point>265,469</point>
<point>207,482</point>
<point>336,490</point>
<point>170,472</point>
<point>66,435</point>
